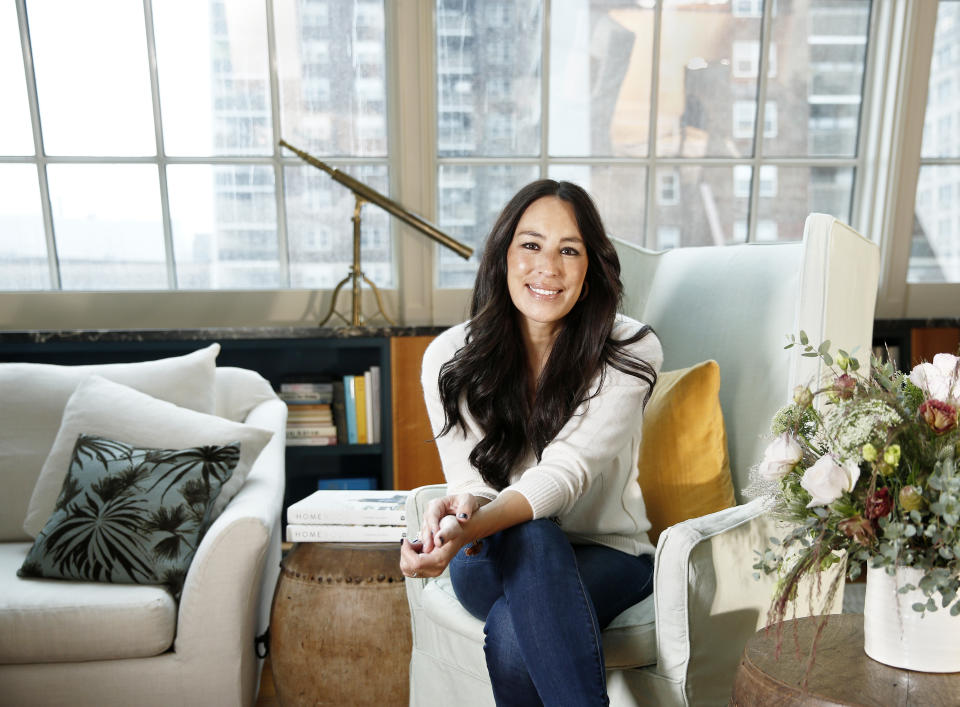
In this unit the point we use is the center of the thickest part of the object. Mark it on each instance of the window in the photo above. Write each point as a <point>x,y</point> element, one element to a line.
<point>935,247</point>
<point>223,207</point>
<point>595,82</point>
<point>203,197</point>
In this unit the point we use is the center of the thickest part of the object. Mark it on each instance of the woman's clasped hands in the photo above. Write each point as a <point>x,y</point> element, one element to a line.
<point>445,529</point>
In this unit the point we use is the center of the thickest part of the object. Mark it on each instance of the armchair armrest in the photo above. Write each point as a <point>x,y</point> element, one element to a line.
<point>416,503</point>
<point>704,589</point>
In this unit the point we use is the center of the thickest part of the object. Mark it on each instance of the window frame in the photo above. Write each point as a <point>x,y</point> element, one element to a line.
<point>900,49</point>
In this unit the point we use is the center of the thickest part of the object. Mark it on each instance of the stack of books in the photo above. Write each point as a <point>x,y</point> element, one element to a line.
<point>348,516</point>
<point>362,406</point>
<point>310,418</point>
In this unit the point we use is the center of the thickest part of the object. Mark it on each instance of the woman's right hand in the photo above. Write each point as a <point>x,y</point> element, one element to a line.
<point>462,506</point>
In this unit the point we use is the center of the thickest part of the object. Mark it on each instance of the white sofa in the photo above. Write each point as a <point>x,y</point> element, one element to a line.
<point>150,649</point>
<point>734,304</point>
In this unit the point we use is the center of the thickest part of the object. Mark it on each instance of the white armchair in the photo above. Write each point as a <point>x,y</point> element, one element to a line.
<point>734,304</point>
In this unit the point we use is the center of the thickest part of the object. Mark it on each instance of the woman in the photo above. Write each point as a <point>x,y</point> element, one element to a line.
<point>536,403</point>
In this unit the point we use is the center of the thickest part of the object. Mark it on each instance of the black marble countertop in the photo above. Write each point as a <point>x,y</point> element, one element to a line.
<point>220,333</point>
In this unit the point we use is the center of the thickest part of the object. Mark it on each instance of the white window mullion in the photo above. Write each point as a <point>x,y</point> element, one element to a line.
<point>753,207</point>
<point>283,250</point>
<point>649,229</point>
<point>53,261</point>
<point>545,90</point>
<point>158,133</point>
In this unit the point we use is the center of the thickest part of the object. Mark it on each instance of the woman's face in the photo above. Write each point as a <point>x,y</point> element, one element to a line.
<point>546,262</point>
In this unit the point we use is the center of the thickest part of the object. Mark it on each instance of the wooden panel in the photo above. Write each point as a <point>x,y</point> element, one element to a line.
<point>415,458</point>
<point>925,343</point>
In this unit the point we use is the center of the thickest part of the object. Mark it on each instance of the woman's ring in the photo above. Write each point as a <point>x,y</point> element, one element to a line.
<point>414,575</point>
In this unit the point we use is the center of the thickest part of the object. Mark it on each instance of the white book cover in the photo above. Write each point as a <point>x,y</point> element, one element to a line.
<point>350,508</point>
<point>306,533</point>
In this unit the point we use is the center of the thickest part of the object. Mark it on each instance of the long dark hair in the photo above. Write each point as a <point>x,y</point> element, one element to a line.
<point>489,373</point>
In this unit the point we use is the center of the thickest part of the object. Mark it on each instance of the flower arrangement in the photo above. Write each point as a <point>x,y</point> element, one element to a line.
<point>866,464</point>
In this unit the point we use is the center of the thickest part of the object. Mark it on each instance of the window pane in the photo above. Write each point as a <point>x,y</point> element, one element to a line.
<point>212,69</point>
<point>470,197</point>
<point>16,135</point>
<point>92,77</point>
<point>488,77</point>
<point>935,251</point>
<point>620,194</point>
<point>708,206</point>
<point>224,221</point>
<point>941,125</point>
<point>108,226</point>
<point>332,72</point>
<point>320,229</point>
<point>600,59</point>
<point>798,192</point>
<point>23,249</point>
<point>818,86</point>
<point>715,64</point>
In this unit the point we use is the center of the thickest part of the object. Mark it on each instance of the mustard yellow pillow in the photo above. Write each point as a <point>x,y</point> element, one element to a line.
<point>684,468</point>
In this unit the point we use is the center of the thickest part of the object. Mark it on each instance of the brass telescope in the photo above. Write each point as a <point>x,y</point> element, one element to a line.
<point>363,194</point>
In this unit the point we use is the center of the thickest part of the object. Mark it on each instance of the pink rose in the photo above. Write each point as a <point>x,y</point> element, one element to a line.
<point>941,416</point>
<point>844,386</point>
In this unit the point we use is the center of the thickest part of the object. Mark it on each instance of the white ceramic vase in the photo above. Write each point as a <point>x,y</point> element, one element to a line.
<point>897,635</point>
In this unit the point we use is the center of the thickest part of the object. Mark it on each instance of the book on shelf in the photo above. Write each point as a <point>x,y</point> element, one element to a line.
<point>374,507</point>
<point>360,387</point>
<point>302,533</point>
<point>347,483</point>
<point>350,398</point>
<point>312,392</point>
<point>313,441</point>
<point>320,430</point>
<point>375,403</point>
<point>340,413</point>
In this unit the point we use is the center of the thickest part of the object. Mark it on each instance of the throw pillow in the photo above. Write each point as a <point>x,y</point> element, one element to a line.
<point>684,467</point>
<point>34,395</point>
<point>130,515</point>
<point>107,409</point>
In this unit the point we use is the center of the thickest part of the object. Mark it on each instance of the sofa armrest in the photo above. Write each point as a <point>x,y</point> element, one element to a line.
<point>227,593</point>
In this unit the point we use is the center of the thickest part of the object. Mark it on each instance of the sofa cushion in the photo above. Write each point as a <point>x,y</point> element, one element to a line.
<point>107,409</point>
<point>34,395</point>
<point>684,468</point>
<point>46,621</point>
<point>130,514</point>
<point>630,641</point>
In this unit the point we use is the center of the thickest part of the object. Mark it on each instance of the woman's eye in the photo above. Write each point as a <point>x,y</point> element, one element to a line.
<point>570,251</point>
<point>530,246</point>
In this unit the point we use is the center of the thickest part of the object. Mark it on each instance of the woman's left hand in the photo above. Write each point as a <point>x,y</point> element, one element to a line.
<point>415,561</point>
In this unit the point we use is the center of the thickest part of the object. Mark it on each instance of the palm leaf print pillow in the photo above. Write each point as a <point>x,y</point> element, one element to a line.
<point>130,515</point>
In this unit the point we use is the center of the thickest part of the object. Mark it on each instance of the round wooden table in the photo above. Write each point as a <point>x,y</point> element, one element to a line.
<point>842,674</point>
<point>340,626</point>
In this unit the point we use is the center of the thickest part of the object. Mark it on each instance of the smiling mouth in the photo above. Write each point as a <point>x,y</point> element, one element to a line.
<point>541,292</point>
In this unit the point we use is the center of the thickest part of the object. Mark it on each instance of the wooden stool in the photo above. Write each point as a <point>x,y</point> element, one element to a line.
<point>340,626</point>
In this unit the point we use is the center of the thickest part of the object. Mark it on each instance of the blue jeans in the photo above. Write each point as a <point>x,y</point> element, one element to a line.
<point>544,602</point>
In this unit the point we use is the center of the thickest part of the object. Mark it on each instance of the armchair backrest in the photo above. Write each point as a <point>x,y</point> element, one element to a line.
<point>737,304</point>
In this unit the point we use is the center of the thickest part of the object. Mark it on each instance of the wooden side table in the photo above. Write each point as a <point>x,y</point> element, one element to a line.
<point>842,673</point>
<point>340,626</point>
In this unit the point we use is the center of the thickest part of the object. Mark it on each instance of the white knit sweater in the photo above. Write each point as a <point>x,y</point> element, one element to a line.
<point>587,476</point>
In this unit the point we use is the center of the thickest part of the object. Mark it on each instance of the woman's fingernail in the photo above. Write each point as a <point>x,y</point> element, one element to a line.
<point>462,515</point>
